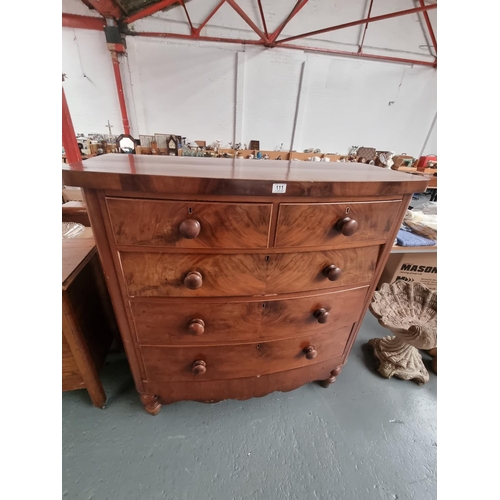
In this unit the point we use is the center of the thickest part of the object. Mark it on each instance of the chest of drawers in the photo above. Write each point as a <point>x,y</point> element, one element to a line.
<point>235,278</point>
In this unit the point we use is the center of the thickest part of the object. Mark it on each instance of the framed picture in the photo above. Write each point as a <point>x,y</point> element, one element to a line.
<point>146,140</point>
<point>161,140</point>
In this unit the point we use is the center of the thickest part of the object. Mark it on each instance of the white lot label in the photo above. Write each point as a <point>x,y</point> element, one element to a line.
<point>279,188</point>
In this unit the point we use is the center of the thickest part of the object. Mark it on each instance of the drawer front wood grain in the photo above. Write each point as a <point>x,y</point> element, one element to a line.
<point>241,360</point>
<point>156,274</point>
<point>168,322</point>
<point>294,272</point>
<point>318,224</point>
<point>209,225</point>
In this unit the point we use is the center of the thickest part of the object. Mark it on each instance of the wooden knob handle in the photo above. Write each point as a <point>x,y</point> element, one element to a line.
<point>199,367</point>
<point>193,280</point>
<point>332,272</point>
<point>321,315</point>
<point>347,226</point>
<point>196,327</point>
<point>190,228</point>
<point>310,352</point>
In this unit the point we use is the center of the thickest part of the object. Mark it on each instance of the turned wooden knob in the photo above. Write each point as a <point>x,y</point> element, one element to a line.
<point>193,280</point>
<point>190,228</point>
<point>196,327</point>
<point>321,315</point>
<point>310,352</point>
<point>347,226</point>
<point>332,272</point>
<point>199,367</point>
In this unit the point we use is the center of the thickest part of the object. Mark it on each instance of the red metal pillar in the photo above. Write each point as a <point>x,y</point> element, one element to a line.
<point>68,134</point>
<point>119,88</point>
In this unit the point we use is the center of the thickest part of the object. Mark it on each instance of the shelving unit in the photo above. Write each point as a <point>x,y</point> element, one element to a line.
<point>245,153</point>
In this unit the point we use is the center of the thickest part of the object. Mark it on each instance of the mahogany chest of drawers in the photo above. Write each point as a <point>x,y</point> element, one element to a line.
<point>235,278</point>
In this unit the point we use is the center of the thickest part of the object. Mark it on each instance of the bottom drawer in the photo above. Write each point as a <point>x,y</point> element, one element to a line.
<point>241,360</point>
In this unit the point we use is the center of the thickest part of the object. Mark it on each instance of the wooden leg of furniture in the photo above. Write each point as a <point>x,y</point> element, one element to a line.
<point>96,393</point>
<point>333,377</point>
<point>398,359</point>
<point>151,403</point>
<point>82,354</point>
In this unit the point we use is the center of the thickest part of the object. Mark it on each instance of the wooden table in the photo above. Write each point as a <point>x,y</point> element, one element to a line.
<point>88,322</point>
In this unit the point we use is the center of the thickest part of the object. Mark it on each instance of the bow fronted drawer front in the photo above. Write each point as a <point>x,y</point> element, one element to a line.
<point>333,224</point>
<point>174,321</point>
<point>152,274</point>
<point>179,224</point>
<point>219,362</point>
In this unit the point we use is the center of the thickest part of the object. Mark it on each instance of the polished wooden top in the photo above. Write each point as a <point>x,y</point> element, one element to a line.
<point>233,176</point>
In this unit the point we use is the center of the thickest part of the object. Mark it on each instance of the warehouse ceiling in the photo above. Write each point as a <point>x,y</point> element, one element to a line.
<point>403,31</point>
<point>129,7</point>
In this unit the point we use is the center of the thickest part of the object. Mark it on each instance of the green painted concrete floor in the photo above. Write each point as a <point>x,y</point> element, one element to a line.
<point>364,437</point>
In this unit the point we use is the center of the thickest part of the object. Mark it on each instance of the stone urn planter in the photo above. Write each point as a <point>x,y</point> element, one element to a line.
<point>409,312</point>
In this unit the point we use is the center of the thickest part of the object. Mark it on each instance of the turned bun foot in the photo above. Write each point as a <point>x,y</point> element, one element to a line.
<point>151,403</point>
<point>333,377</point>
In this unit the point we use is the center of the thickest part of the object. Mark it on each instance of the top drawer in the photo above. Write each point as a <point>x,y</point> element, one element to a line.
<point>326,224</point>
<point>181,224</point>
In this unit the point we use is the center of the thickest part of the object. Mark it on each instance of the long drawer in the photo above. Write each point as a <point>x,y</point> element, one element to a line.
<point>241,360</point>
<point>217,275</point>
<point>326,224</point>
<point>189,224</point>
<point>206,321</point>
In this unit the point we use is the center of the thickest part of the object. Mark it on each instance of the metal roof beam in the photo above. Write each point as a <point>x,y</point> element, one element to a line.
<point>264,25</point>
<point>151,34</point>
<point>277,32</point>
<point>250,23</point>
<point>152,9</point>
<point>429,27</point>
<point>366,27</point>
<point>360,21</point>
<point>204,23</point>
<point>107,8</point>
<point>83,22</point>
<point>187,15</point>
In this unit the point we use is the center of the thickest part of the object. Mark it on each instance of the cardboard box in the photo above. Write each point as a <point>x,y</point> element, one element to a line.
<point>414,267</point>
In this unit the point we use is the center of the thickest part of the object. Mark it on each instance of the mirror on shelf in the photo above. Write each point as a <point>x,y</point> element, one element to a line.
<point>126,144</point>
